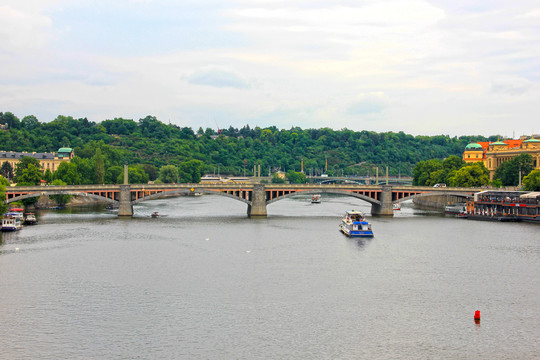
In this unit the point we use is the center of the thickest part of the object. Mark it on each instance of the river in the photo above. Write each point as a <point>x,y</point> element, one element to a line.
<point>204,281</point>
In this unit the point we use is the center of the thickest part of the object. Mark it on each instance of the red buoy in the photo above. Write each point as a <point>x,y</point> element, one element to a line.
<point>477,315</point>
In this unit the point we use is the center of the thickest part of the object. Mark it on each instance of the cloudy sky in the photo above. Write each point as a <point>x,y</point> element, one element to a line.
<point>459,67</point>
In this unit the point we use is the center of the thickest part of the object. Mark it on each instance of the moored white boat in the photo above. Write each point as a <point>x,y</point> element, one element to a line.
<point>30,219</point>
<point>455,209</point>
<point>354,224</point>
<point>11,222</point>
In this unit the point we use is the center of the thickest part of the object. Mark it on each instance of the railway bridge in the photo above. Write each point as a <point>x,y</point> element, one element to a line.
<point>255,195</point>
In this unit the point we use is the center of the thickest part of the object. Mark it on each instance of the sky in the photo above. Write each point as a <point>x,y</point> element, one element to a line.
<point>424,67</point>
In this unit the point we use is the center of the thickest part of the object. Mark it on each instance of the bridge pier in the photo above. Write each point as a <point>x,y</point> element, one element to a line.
<point>125,208</point>
<point>385,208</point>
<point>258,201</point>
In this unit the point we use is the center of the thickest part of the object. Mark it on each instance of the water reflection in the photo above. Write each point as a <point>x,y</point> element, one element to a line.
<point>206,280</point>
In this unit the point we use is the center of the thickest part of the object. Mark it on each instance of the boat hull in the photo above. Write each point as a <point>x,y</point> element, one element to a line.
<point>355,233</point>
<point>10,229</point>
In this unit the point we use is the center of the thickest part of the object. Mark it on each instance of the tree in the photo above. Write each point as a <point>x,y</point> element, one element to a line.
<point>3,184</point>
<point>99,166</point>
<point>113,173</point>
<point>136,175</point>
<point>168,174</point>
<point>6,170</point>
<point>10,120</point>
<point>296,177</point>
<point>277,179</point>
<point>23,165</point>
<point>29,176</point>
<point>422,172</point>
<point>86,169</point>
<point>190,171</point>
<point>48,176</point>
<point>30,122</point>
<point>531,182</point>
<point>474,175</point>
<point>509,171</point>
<point>68,173</point>
<point>453,162</point>
<point>151,170</point>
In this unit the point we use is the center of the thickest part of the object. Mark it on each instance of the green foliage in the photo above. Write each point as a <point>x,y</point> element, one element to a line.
<point>149,142</point>
<point>68,173</point>
<point>474,175</point>
<point>296,177</point>
<point>3,184</point>
<point>86,169</point>
<point>60,199</point>
<point>10,120</point>
<point>277,179</point>
<point>496,183</point>
<point>28,171</point>
<point>531,182</point>
<point>99,167</point>
<point>48,176</point>
<point>113,173</point>
<point>190,171</point>
<point>151,170</point>
<point>6,170</point>
<point>508,172</point>
<point>29,176</point>
<point>434,171</point>
<point>168,174</point>
<point>425,172</point>
<point>136,175</point>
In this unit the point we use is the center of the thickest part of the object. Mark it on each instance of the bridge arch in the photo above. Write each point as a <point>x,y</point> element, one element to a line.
<point>60,192</point>
<point>326,191</point>
<point>188,191</point>
<point>427,194</point>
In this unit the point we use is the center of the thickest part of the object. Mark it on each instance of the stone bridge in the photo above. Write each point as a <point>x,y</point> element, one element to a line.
<point>256,196</point>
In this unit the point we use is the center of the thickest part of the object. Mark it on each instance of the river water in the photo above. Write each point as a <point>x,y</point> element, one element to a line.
<point>204,281</point>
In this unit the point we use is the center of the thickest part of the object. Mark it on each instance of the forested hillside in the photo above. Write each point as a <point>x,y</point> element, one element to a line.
<point>233,151</point>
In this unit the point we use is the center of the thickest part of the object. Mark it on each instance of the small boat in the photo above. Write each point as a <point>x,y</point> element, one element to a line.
<point>316,199</point>
<point>11,222</point>
<point>155,214</point>
<point>462,215</point>
<point>396,206</point>
<point>455,209</point>
<point>354,224</point>
<point>30,219</point>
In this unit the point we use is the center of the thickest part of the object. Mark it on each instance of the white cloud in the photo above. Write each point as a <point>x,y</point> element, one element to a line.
<point>22,29</point>
<point>217,77</point>
<point>413,65</point>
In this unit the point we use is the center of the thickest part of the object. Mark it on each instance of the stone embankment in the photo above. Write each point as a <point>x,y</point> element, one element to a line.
<point>437,202</point>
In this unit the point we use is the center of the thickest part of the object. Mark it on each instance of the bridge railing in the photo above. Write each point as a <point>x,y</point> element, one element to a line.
<point>135,187</point>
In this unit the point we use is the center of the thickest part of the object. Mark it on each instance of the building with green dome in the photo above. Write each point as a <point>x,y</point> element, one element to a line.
<point>493,154</point>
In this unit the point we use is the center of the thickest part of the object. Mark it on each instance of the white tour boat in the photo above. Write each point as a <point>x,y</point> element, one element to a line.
<point>11,222</point>
<point>316,199</point>
<point>354,224</point>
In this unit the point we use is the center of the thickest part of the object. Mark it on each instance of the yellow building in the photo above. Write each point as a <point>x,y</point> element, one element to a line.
<point>495,153</point>
<point>48,161</point>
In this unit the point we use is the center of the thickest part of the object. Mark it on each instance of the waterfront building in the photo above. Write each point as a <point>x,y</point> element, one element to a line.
<point>48,161</point>
<point>493,154</point>
<point>505,206</point>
